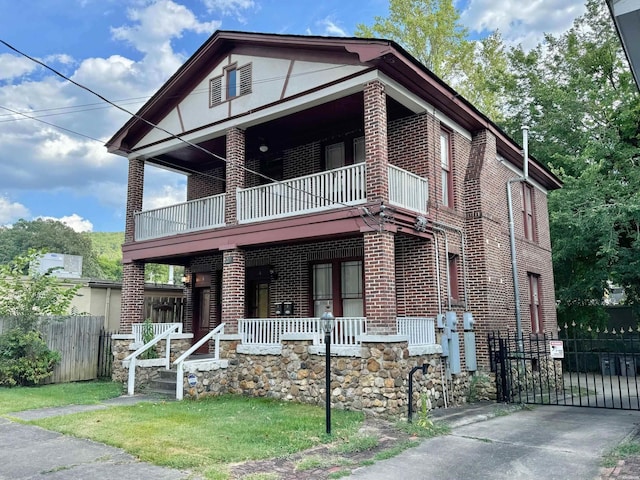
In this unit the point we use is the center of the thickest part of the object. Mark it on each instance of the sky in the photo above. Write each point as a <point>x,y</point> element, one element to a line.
<point>53,163</point>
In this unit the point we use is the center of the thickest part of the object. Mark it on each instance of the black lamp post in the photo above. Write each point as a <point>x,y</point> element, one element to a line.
<point>327,320</point>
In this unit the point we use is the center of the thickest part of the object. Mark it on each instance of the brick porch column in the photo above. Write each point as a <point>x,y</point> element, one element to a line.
<point>235,172</point>
<point>379,282</point>
<point>375,133</point>
<point>132,273</point>
<point>233,288</point>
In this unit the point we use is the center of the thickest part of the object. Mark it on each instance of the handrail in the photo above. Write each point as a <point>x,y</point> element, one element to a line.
<point>131,382</point>
<point>179,362</point>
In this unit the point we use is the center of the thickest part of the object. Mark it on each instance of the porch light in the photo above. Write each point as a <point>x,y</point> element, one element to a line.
<point>327,323</point>
<point>264,148</point>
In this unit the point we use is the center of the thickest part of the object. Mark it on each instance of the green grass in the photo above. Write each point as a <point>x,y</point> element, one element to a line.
<point>208,434</point>
<point>622,451</point>
<point>356,444</point>
<point>396,450</point>
<point>339,474</point>
<point>17,399</point>
<point>318,461</point>
<point>434,430</point>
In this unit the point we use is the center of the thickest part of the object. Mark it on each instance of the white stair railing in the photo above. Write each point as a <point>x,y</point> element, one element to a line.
<point>131,359</point>
<point>179,362</point>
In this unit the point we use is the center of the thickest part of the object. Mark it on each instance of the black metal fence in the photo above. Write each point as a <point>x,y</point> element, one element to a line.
<point>577,368</point>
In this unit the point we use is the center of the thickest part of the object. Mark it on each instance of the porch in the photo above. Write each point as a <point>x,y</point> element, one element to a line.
<point>329,190</point>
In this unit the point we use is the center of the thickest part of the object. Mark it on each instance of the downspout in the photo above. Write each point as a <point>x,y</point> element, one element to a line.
<point>512,237</point>
<point>437,261</point>
<point>446,253</point>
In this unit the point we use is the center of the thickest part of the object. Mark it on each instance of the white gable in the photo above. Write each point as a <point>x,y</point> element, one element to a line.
<point>272,80</point>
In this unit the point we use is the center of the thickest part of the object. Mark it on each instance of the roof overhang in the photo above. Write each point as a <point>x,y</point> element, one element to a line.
<point>626,16</point>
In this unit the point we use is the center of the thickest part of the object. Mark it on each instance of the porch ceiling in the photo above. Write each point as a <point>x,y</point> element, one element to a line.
<point>329,119</point>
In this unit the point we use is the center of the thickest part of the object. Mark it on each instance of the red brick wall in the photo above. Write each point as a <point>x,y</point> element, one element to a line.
<point>380,282</point>
<point>205,184</point>
<point>132,305</point>
<point>235,171</point>
<point>233,288</point>
<point>375,132</point>
<point>135,186</point>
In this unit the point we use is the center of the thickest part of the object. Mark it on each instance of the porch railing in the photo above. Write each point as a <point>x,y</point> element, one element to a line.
<point>268,331</point>
<point>420,330</point>
<point>312,193</point>
<point>199,214</point>
<point>158,328</point>
<point>179,362</point>
<point>408,190</point>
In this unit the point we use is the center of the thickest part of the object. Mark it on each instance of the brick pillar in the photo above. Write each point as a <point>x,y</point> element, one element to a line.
<point>235,172</point>
<point>380,283</point>
<point>233,288</point>
<point>131,309</point>
<point>375,133</point>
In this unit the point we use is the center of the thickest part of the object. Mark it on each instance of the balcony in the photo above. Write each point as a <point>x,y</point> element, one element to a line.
<point>333,189</point>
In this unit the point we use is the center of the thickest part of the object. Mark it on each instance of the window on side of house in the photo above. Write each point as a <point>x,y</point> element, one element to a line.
<point>232,82</point>
<point>528,212</point>
<point>454,272</point>
<point>446,180</point>
<point>359,153</point>
<point>334,156</point>
<point>535,308</point>
<point>338,284</point>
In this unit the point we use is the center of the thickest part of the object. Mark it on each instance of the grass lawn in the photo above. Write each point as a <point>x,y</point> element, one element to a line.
<point>16,399</point>
<point>207,434</point>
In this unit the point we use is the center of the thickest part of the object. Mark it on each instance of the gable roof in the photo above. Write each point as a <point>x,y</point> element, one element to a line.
<point>383,55</point>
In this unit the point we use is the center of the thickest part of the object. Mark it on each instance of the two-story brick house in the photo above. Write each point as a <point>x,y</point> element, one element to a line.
<point>333,171</point>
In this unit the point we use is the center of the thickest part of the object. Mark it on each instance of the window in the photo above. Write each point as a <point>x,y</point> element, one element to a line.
<point>528,212</point>
<point>537,324</point>
<point>445,165</point>
<point>454,290</point>
<point>334,155</point>
<point>359,153</point>
<point>234,82</point>
<point>338,284</point>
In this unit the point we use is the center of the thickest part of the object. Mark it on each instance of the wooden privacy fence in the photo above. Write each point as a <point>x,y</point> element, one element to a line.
<point>78,339</point>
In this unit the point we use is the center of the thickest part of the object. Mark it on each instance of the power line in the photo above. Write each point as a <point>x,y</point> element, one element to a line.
<point>153,125</point>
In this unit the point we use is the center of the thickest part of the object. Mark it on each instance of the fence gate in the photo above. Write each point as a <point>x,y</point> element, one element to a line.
<point>577,368</point>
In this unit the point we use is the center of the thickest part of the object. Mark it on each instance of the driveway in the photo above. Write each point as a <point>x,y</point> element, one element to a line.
<point>546,442</point>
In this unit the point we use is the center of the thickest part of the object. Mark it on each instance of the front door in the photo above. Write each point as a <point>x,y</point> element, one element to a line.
<point>201,316</point>
<point>257,299</point>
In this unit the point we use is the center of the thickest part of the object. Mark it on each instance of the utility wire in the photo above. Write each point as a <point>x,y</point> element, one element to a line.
<point>153,125</point>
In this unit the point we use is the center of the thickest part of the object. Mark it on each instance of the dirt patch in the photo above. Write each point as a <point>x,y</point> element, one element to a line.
<point>319,462</point>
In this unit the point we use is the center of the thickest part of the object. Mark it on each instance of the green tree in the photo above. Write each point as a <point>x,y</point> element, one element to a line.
<point>51,236</point>
<point>27,296</point>
<point>576,93</point>
<point>431,31</point>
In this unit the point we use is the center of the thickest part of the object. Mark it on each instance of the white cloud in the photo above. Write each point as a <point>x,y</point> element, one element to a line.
<point>522,22</point>
<point>331,28</point>
<point>12,66</point>
<point>74,221</point>
<point>163,196</point>
<point>230,7</point>
<point>11,211</point>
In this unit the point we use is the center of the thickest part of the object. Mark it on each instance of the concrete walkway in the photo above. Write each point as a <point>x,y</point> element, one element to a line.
<point>546,442</point>
<point>29,452</point>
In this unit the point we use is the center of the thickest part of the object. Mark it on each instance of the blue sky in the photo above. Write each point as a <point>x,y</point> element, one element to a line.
<point>125,50</point>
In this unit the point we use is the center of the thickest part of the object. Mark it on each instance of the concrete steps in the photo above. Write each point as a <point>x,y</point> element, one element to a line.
<point>165,384</point>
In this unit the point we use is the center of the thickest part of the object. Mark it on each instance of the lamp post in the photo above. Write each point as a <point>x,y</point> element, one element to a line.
<point>327,321</point>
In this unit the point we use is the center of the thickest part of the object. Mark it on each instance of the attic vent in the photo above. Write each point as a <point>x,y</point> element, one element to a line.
<point>215,91</point>
<point>245,79</point>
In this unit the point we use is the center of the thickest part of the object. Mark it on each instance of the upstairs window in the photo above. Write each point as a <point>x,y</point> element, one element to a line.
<point>454,270</point>
<point>234,82</point>
<point>445,168</point>
<point>347,152</point>
<point>537,324</point>
<point>528,213</point>
<point>334,155</point>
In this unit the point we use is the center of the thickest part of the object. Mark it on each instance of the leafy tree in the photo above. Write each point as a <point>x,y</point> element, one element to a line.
<point>27,296</point>
<point>431,31</point>
<point>576,93</point>
<point>49,235</point>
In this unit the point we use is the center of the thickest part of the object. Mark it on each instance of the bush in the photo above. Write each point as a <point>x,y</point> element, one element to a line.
<point>25,358</point>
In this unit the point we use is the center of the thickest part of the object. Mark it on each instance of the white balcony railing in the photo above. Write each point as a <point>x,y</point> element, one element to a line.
<point>420,330</point>
<point>194,215</point>
<point>268,331</point>
<point>312,193</point>
<point>408,190</point>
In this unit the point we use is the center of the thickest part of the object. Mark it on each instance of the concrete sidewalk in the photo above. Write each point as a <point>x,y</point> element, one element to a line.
<point>546,442</point>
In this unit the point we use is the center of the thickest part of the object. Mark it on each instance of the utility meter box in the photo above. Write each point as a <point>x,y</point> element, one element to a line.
<point>440,320</point>
<point>467,321</point>
<point>452,321</point>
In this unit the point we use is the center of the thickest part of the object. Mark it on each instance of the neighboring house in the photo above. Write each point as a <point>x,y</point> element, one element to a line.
<point>626,16</point>
<point>102,298</point>
<point>342,172</point>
